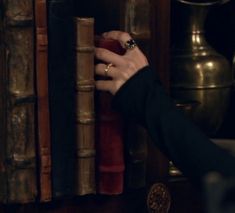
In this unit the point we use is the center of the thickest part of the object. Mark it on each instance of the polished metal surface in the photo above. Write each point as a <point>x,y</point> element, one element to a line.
<point>198,72</point>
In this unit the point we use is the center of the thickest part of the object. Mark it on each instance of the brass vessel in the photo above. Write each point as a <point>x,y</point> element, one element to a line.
<point>198,72</point>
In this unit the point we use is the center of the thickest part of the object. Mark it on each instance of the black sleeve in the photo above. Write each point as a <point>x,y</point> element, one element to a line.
<point>143,99</point>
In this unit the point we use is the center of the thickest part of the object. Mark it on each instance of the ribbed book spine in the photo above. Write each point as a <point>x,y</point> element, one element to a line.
<point>85,163</point>
<point>18,167</point>
<point>44,146</point>
<point>109,135</point>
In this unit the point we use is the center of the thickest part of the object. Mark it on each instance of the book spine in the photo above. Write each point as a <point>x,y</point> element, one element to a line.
<point>19,139</point>
<point>109,135</point>
<point>61,64</point>
<point>44,149</point>
<point>110,156</point>
<point>85,178</point>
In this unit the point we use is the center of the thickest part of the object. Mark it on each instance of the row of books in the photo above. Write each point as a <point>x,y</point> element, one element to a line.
<point>58,137</point>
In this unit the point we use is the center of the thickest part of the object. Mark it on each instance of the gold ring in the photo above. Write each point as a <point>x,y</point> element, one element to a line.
<point>130,44</point>
<point>107,69</point>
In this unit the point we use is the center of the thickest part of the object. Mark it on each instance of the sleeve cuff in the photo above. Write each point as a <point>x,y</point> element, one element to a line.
<point>130,99</point>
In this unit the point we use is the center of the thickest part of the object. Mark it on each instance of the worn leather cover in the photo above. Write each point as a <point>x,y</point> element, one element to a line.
<point>17,105</point>
<point>85,123</point>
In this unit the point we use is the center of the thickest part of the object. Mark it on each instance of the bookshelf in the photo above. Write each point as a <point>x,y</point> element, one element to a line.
<point>184,198</point>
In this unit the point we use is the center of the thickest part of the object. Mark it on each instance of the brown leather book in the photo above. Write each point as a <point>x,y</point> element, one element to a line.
<point>17,105</point>
<point>43,121</point>
<point>85,163</point>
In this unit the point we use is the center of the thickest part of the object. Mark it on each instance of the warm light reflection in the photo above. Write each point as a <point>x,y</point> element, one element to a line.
<point>210,64</point>
<point>193,38</point>
<point>204,53</point>
<point>196,39</point>
<point>200,77</point>
<point>198,66</point>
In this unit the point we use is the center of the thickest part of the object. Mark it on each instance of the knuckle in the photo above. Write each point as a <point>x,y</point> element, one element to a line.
<point>99,53</point>
<point>130,69</point>
<point>124,35</point>
<point>98,67</point>
<point>125,75</point>
<point>131,65</point>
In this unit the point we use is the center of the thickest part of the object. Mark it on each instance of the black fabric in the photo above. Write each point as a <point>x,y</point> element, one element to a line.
<point>143,99</point>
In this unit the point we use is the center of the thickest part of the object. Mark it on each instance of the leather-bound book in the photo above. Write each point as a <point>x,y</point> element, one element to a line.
<point>85,117</point>
<point>43,127</point>
<point>61,63</point>
<point>17,103</point>
<point>109,136</point>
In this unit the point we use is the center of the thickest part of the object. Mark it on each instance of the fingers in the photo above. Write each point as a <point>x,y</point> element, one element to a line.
<point>110,72</point>
<point>122,37</point>
<point>123,66</point>
<point>105,85</point>
<point>125,40</point>
<point>108,56</point>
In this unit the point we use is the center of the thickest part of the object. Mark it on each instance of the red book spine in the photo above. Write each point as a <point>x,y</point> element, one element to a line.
<point>109,130</point>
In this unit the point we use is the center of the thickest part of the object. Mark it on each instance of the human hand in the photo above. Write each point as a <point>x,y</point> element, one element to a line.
<point>118,67</point>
